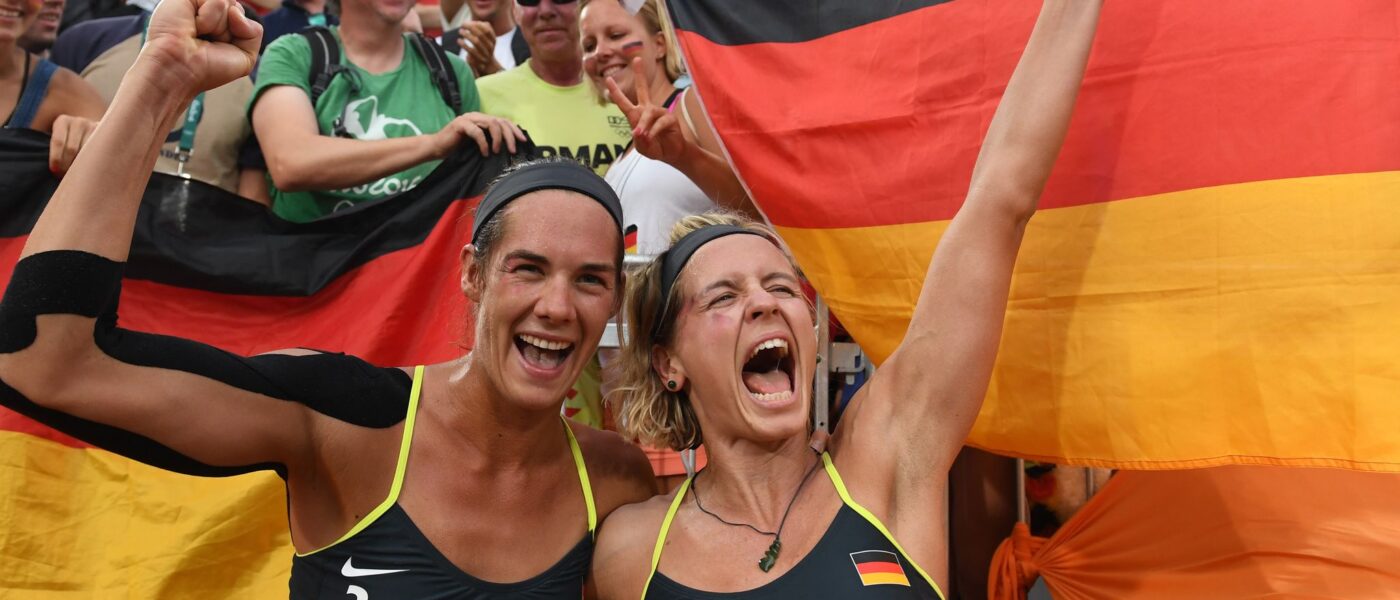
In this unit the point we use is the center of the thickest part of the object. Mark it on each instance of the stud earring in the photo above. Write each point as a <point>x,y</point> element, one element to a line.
<point>671,384</point>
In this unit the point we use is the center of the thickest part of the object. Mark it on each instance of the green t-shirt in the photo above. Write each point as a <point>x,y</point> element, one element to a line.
<point>399,103</point>
<point>562,121</point>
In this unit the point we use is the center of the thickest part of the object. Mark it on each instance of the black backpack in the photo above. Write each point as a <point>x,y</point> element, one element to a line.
<point>326,64</point>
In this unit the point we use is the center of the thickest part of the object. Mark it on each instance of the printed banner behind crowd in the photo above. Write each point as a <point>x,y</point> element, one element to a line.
<point>1214,276</point>
<point>379,281</point>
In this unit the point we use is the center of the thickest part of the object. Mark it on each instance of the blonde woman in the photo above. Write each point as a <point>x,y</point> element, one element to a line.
<point>722,350</point>
<point>667,173</point>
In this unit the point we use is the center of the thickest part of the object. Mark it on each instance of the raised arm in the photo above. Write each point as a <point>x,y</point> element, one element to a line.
<point>659,135</point>
<point>172,403</point>
<point>929,392</point>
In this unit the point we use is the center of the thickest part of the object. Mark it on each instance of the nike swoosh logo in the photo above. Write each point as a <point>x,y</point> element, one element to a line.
<point>350,570</point>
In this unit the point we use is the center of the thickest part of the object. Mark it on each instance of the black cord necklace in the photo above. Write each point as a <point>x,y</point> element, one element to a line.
<point>770,557</point>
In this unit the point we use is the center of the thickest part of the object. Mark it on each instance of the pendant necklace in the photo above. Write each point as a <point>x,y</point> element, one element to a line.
<point>770,557</point>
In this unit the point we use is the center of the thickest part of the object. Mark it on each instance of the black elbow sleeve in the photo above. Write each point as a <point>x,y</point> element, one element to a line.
<point>68,282</point>
<point>84,284</point>
<point>71,282</point>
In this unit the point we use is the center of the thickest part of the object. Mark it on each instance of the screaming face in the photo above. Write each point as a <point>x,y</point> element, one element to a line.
<point>743,341</point>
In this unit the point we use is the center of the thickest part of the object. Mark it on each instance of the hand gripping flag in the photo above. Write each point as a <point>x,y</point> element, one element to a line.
<point>1214,275</point>
<point>379,281</point>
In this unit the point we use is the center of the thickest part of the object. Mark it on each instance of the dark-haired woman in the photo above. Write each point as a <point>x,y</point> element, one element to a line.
<point>723,351</point>
<point>454,480</point>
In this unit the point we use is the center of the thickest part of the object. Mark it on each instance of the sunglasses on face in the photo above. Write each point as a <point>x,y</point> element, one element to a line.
<point>534,3</point>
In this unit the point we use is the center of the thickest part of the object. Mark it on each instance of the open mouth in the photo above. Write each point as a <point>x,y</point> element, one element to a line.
<point>541,353</point>
<point>768,372</point>
<point>11,13</point>
<point>610,70</point>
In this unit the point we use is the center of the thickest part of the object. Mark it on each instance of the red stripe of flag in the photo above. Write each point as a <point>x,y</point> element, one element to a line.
<point>402,308</point>
<point>880,567</point>
<point>1164,105</point>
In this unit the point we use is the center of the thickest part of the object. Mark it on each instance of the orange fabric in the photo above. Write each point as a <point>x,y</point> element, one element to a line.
<point>666,462</point>
<point>1013,565</point>
<point>1229,532</point>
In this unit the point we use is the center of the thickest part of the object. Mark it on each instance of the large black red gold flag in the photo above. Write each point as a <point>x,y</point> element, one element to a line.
<point>1214,275</point>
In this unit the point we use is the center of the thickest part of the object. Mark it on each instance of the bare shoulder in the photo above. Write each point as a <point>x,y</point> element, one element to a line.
<point>618,470</point>
<point>704,135</point>
<point>622,557</point>
<point>69,94</point>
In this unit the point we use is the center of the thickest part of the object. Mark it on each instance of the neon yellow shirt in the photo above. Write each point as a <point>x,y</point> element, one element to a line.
<point>562,121</point>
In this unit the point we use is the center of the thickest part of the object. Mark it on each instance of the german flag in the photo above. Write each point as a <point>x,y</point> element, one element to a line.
<point>878,567</point>
<point>629,239</point>
<point>378,281</point>
<point>1214,275</point>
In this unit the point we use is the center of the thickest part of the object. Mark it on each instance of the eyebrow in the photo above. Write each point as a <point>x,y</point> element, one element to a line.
<point>723,283</point>
<point>598,268</point>
<point>729,282</point>
<point>534,257</point>
<point>525,255</point>
<point>779,275</point>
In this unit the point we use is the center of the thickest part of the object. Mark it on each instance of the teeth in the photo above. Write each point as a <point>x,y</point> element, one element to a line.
<point>543,358</point>
<point>778,343</point>
<point>774,397</point>
<point>9,13</point>
<point>543,343</point>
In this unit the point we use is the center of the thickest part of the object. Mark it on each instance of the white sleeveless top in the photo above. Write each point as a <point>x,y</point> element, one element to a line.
<point>654,196</point>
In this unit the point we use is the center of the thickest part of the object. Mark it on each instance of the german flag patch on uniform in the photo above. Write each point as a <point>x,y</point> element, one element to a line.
<point>878,567</point>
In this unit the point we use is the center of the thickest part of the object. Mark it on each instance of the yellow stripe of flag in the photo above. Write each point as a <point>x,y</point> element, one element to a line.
<point>1247,323</point>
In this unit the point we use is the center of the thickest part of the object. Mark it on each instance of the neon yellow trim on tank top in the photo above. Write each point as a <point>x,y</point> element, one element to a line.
<point>665,528</point>
<point>399,468</point>
<point>846,497</point>
<point>582,478</point>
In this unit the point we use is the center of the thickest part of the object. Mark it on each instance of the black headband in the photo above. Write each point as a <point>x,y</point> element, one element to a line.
<point>553,175</point>
<point>675,258</point>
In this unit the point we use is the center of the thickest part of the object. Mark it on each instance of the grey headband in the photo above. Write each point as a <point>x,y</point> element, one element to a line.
<point>554,175</point>
<point>674,259</point>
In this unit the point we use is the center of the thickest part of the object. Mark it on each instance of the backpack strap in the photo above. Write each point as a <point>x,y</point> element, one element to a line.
<point>441,68</point>
<point>325,65</point>
<point>325,60</point>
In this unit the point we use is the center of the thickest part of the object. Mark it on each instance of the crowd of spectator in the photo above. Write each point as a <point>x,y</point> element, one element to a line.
<point>349,102</point>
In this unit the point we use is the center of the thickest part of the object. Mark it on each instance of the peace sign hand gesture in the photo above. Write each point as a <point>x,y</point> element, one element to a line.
<point>656,132</point>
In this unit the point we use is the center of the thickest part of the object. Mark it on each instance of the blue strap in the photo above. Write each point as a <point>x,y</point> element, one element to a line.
<point>28,106</point>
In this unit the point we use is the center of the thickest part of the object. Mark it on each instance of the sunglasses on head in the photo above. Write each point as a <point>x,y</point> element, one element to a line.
<point>534,3</point>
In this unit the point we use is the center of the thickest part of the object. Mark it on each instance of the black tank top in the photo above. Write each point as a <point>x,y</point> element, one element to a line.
<point>855,558</point>
<point>386,557</point>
